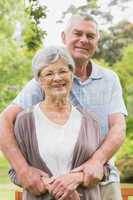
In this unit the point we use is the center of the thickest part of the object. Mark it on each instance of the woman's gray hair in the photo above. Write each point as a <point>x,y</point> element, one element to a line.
<point>49,55</point>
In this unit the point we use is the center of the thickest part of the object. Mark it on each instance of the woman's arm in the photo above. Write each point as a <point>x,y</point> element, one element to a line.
<point>23,174</point>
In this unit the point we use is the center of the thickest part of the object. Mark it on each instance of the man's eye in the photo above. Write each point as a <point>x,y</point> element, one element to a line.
<point>77,33</point>
<point>91,36</point>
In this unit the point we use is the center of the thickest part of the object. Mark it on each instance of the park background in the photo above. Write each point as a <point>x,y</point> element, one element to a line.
<point>26,26</point>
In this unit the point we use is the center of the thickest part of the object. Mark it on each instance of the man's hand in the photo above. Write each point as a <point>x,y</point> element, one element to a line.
<point>63,187</point>
<point>92,172</point>
<point>74,196</point>
<point>31,179</point>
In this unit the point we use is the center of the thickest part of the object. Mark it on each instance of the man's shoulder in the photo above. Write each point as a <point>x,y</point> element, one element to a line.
<point>106,73</point>
<point>32,84</point>
<point>31,94</point>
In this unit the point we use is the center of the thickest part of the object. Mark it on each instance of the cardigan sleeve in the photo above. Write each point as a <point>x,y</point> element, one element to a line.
<point>19,132</point>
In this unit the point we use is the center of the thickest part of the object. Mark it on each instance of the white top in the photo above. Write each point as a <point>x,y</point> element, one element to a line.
<point>56,142</point>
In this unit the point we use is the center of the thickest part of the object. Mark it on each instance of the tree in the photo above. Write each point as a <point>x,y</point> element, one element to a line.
<point>33,35</point>
<point>113,41</point>
<point>95,8</point>
<point>125,70</point>
<point>16,51</point>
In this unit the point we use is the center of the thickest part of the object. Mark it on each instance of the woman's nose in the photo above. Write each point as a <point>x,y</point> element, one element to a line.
<point>57,76</point>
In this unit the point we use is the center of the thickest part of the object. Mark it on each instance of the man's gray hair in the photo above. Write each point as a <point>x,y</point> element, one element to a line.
<point>80,16</point>
<point>49,55</point>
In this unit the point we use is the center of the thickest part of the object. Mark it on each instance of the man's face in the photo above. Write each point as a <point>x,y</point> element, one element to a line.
<point>81,40</point>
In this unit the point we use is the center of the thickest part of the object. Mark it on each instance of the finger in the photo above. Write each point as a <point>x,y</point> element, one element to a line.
<point>46,184</point>
<point>45,180</point>
<point>63,196</point>
<point>57,183</point>
<point>67,194</point>
<point>43,174</point>
<point>59,194</point>
<point>41,187</point>
<point>58,189</point>
<point>78,169</point>
<point>52,179</point>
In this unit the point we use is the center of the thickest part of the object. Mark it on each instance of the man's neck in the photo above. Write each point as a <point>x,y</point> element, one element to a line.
<point>84,71</point>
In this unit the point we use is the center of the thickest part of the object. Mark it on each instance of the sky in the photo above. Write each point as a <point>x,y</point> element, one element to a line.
<point>55,9</point>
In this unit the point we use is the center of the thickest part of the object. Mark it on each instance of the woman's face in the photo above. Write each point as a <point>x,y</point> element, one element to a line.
<point>56,79</point>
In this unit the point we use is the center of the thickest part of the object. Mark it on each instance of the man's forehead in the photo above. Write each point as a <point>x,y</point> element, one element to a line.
<point>76,24</point>
<point>81,25</point>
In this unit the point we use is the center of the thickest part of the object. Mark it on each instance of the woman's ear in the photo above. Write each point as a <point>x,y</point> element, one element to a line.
<point>39,81</point>
<point>72,76</point>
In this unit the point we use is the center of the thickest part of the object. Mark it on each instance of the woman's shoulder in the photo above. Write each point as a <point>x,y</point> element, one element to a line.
<point>24,123</point>
<point>25,115</point>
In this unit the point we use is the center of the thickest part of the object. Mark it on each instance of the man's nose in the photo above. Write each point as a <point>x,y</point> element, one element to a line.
<point>84,38</point>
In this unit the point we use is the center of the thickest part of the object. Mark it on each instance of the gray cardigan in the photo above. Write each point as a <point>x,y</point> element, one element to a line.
<point>88,141</point>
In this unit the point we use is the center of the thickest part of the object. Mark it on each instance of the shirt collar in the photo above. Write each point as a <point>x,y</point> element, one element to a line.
<point>96,73</point>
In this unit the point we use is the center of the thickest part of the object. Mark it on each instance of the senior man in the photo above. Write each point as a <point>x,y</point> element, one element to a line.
<point>96,89</point>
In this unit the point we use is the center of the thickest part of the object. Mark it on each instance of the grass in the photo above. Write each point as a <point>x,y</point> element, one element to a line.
<point>4,166</point>
<point>7,195</point>
<point>7,189</point>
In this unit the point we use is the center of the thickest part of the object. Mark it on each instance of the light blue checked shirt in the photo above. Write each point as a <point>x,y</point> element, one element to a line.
<point>101,93</point>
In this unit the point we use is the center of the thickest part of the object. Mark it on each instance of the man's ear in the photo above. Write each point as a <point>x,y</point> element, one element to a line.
<point>63,37</point>
<point>99,36</point>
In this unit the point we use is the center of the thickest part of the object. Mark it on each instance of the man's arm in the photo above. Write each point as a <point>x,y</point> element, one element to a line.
<point>28,176</point>
<point>7,139</point>
<point>114,139</point>
<point>93,168</point>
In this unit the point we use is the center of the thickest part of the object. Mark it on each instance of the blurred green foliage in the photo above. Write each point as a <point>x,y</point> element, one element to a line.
<point>20,37</point>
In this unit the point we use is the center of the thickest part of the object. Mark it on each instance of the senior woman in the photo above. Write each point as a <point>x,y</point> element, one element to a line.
<point>55,136</point>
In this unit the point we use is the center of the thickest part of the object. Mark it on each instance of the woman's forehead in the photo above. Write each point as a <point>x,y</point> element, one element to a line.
<point>60,63</point>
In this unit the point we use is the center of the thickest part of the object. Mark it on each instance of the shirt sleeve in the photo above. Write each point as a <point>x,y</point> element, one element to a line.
<point>30,95</point>
<point>117,102</point>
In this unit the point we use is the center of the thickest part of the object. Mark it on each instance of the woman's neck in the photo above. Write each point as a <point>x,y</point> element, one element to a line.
<point>57,111</point>
<point>56,104</point>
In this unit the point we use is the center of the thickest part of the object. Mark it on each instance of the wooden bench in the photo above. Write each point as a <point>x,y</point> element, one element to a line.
<point>126,192</point>
<point>18,195</point>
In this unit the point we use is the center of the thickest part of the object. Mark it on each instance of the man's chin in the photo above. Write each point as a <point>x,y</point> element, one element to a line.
<point>80,56</point>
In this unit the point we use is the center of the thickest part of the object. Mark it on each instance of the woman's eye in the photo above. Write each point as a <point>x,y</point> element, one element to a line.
<point>63,72</point>
<point>48,74</point>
